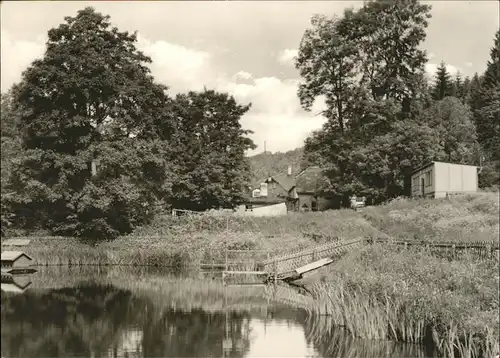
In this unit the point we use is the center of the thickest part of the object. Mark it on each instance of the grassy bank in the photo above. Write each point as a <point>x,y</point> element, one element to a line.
<point>188,241</point>
<point>467,218</point>
<point>192,240</point>
<point>408,296</point>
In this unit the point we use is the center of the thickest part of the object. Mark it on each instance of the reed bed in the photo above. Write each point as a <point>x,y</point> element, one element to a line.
<point>412,297</point>
<point>335,341</point>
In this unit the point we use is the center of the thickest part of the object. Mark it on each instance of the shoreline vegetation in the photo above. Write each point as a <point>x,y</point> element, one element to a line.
<point>374,292</point>
<point>190,240</point>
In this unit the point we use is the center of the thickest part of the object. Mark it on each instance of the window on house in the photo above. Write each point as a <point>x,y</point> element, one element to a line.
<point>428,178</point>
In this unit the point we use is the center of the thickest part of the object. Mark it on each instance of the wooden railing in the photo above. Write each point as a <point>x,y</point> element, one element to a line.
<point>261,262</point>
<point>451,249</point>
<point>284,265</point>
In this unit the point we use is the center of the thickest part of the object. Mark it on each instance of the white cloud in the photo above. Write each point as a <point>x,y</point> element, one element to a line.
<point>431,69</point>
<point>431,55</point>
<point>242,75</point>
<point>16,56</point>
<point>287,56</point>
<point>177,66</point>
<point>275,116</point>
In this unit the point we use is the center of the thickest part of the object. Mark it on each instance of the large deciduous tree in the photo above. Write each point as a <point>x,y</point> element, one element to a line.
<point>370,68</point>
<point>387,36</point>
<point>209,151</point>
<point>454,126</point>
<point>11,148</point>
<point>89,103</point>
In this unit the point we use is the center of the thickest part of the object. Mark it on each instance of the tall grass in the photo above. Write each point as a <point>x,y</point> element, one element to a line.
<point>473,217</point>
<point>334,341</point>
<point>189,240</point>
<point>412,297</point>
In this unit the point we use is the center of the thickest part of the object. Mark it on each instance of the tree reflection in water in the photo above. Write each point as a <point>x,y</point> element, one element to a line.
<point>102,321</point>
<point>152,314</point>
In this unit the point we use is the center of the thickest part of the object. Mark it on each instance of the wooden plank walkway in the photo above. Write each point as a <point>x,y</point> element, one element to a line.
<point>294,265</point>
<point>284,266</point>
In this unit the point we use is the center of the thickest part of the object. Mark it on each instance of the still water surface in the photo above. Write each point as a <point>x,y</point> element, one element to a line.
<point>117,312</point>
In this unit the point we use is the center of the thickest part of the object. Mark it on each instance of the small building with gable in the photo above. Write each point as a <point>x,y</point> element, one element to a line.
<point>16,260</point>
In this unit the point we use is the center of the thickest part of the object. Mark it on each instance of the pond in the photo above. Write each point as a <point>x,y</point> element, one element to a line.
<point>130,312</point>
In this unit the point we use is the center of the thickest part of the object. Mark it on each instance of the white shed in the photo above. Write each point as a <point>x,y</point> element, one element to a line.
<point>438,179</point>
<point>16,259</point>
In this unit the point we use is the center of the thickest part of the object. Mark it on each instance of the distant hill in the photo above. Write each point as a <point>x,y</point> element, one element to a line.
<point>275,163</point>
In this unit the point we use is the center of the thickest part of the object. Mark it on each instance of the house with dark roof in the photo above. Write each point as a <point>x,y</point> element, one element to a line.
<point>299,193</point>
<point>308,189</point>
<point>274,190</point>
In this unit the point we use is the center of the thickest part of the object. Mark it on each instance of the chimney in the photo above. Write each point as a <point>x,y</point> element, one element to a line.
<point>289,170</point>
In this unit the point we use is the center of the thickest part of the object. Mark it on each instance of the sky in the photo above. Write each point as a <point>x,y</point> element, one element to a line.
<point>245,48</point>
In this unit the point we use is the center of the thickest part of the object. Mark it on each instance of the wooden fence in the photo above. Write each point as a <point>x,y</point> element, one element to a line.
<point>453,250</point>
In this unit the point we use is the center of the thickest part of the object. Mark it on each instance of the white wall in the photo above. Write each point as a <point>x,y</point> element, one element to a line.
<point>455,178</point>
<point>268,210</point>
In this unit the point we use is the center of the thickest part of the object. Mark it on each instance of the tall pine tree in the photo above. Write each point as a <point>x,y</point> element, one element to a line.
<point>487,112</point>
<point>443,83</point>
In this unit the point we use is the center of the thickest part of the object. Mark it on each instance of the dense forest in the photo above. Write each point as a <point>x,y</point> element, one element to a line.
<point>93,146</point>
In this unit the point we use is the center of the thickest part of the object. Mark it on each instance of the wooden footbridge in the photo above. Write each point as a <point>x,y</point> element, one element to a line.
<point>294,265</point>
<point>288,266</point>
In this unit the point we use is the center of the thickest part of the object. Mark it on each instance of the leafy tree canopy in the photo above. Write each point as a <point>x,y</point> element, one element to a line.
<point>90,101</point>
<point>209,151</point>
<point>369,66</point>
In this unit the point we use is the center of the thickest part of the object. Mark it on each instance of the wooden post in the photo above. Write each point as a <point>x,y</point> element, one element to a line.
<point>453,251</point>
<point>225,256</point>
<point>406,245</point>
<point>314,255</point>
<point>275,269</point>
